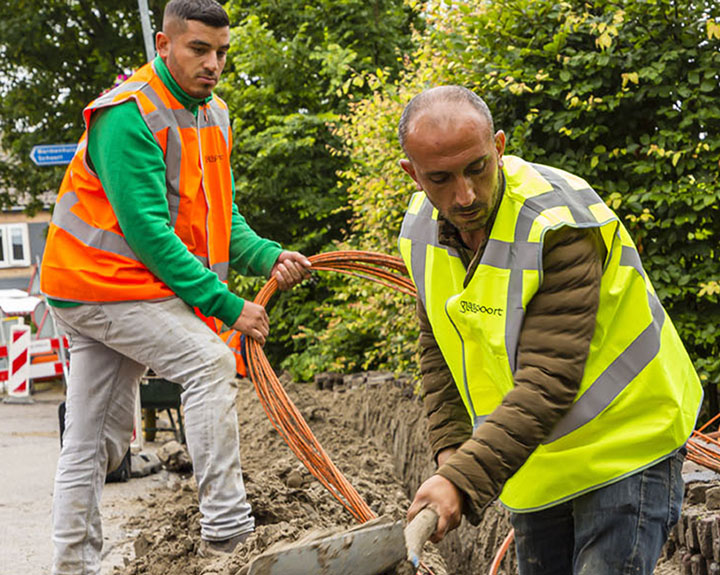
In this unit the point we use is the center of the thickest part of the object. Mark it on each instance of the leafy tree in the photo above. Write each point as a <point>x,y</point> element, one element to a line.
<point>286,83</point>
<point>293,68</point>
<point>55,57</point>
<point>624,94</point>
<point>289,61</point>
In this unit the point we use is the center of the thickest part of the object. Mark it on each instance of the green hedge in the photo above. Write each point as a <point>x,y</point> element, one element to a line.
<point>627,98</point>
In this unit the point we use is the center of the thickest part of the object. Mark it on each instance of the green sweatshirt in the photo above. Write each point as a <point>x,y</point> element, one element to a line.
<point>131,167</point>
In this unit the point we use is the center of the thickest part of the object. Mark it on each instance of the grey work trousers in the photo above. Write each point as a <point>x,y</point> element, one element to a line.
<point>111,344</point>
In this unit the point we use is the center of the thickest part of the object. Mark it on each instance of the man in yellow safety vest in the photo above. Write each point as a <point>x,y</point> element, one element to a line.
<point>553,377</point>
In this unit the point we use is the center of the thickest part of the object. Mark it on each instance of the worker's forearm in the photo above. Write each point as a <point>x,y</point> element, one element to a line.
<point>249,253</point>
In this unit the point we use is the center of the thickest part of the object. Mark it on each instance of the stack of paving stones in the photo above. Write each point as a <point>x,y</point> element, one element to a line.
<point>338,382</point>
<point>694,543</point>
<point>328,380</point>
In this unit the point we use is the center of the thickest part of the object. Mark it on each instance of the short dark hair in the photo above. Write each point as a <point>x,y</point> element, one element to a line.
<point>450,94</point>
<point>208,12</point>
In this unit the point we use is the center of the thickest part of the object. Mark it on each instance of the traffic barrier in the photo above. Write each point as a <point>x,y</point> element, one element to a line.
<point>41,350</point>
<point>18,372</point>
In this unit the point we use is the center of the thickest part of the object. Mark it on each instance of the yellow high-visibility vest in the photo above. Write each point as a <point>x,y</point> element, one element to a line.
<point>639,395</point>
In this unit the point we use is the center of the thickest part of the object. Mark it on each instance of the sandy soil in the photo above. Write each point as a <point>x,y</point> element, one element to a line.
<point>288,503</point>
<point>376,436</point>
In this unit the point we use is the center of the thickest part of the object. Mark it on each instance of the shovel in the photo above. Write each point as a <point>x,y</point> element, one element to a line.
<point>368,549</point>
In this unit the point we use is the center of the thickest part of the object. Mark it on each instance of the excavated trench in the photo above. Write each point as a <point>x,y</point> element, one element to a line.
<point>373,429</point>
<point>396,422</point>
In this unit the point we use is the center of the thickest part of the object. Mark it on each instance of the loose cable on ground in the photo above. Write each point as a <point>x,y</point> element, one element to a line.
<point>502,550</point>
<point>386,270</point>
<point>704,448</point>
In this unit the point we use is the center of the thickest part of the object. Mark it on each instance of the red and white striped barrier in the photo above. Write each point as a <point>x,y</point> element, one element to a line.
<point>19,365</point>
<point>36,347</point>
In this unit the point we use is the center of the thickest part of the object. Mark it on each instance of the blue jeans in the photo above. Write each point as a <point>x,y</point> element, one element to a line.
<point>618,529</point>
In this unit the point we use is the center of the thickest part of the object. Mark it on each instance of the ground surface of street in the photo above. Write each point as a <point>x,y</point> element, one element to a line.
<point>29,449</point>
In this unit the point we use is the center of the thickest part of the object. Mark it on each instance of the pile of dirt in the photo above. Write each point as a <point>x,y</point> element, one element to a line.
<point>374,433</point>
<point>694,543</point>
<point>288,503</point>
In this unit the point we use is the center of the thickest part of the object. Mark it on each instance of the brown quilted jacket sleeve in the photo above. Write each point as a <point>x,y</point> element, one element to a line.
<point>552,351</point>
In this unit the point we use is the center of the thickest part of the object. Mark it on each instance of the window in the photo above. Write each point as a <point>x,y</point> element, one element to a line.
<point>14,245</point>
<point>18,246</point>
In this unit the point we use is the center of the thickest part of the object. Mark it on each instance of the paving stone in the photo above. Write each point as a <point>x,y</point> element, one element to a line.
<point>379,378</point>
<point>328,380</point>
<point>704,527</point>
<point>680,531</point>
<point>691,540</point>
<point>698,565</point>
<point>716,539</point>
<point>696,493</point>
<point>354,380</point>
<point>712,498</point>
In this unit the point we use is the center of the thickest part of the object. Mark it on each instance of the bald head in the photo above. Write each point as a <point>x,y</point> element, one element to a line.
<point>439,103</point>
<point>178,12</point>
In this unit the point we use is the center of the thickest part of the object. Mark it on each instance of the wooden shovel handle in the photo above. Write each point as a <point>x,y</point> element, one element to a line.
<point>417,532</point>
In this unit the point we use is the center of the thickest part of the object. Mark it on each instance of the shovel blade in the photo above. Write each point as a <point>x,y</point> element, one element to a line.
<point>370,549</point>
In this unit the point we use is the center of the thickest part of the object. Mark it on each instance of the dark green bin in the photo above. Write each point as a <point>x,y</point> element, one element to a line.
<point>157,394</point>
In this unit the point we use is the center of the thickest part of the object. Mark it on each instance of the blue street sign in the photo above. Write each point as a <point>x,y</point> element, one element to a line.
<point>55,155</point>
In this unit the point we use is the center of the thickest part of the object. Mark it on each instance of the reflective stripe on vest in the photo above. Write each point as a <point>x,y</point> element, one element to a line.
<point>196,153</point>
<point>478,328</point>
<point>233,339</point>
<point>105,240</point>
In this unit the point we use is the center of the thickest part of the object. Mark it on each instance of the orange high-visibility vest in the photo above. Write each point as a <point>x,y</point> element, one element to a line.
<point>87,258</point>
<point>233,340</point>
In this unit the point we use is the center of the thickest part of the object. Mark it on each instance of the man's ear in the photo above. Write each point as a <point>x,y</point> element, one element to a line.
<point>162,44</point>
<point>407,165</point>
<point>500,146</point>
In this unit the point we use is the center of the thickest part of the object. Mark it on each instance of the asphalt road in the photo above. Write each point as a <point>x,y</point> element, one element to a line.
<point>29,449</point>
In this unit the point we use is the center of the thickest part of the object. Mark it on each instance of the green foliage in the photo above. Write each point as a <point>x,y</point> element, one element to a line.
<point>293,69</point>
<point>625,95</point>
<point>288,64</point>
<point>55,57</point>
<point>364,328</point>
<point>288,80</point>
